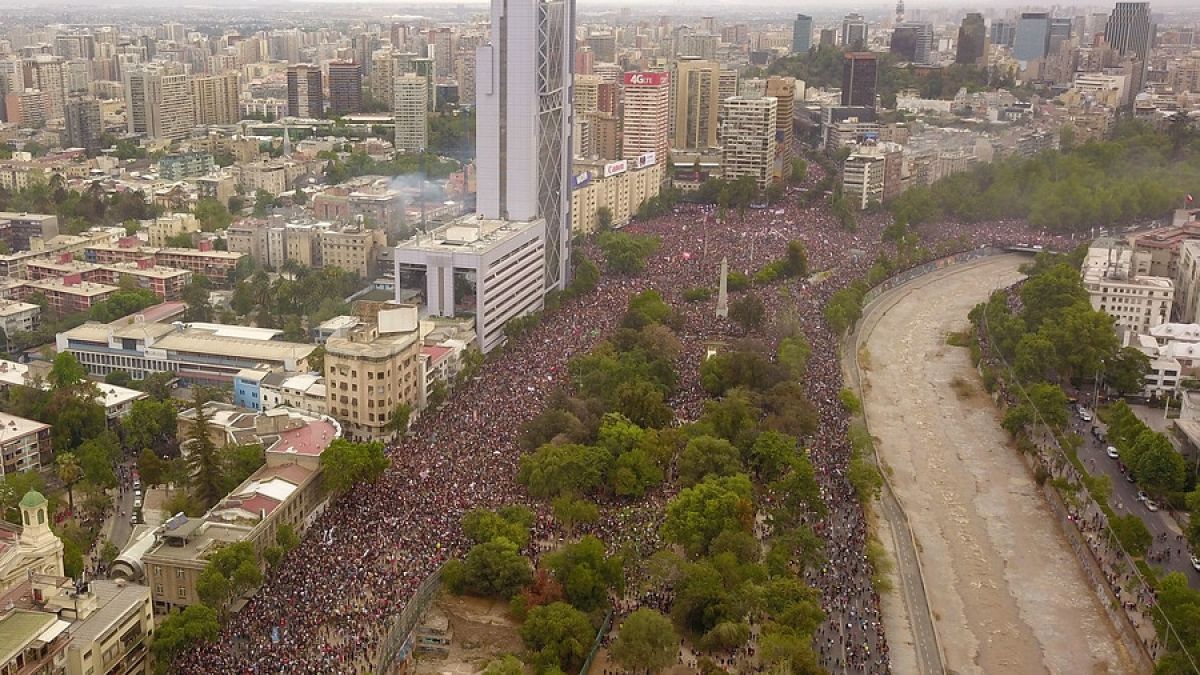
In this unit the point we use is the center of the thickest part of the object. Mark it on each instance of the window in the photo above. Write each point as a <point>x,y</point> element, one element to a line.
<point>181,593</point>
<point>158,589</point>
<point>179,574</point>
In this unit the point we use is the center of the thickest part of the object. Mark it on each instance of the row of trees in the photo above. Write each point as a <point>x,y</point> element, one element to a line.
<point>77,211</point>
<point>1137,175</point>
<point>300,298</point>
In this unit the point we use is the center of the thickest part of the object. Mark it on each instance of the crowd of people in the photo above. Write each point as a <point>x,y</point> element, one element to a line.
<point>328,605</point>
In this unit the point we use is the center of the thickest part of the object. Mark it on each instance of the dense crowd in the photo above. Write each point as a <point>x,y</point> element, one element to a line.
<point>326,607</point>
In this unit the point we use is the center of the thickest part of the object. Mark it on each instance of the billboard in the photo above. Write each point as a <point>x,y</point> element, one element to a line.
<point>614,168</point>
<point>645,159</point>
<point>646,79</point>
<point>582,179</point>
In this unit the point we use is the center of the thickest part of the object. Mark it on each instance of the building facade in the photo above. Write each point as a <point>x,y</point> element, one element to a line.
<point>645,114</point>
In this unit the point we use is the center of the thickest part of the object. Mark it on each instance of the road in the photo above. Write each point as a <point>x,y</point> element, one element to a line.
<point>1168,537</point>
<point>1005,590</point>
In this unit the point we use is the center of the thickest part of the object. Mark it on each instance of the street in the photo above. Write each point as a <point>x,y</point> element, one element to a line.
<point>1168,537</point>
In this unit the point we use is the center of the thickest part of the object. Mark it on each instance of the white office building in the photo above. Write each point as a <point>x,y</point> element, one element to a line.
<point>1137,302</point>
<point>503,260</point>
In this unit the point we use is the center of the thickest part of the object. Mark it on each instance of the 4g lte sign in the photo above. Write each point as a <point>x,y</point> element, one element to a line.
<point>645,79</point>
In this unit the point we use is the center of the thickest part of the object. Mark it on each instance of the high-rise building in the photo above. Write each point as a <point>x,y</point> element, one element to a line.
<point>1060,33</point>
<point>748,132</point>
<point>913,41</point>
<point>854,32</point>
<point>645,115</point>
<point>1002,33</point>
<point>1032,39</point>
<point>972,40</point>
<point>783,90</point>
<point>801,34</point>
<point>305,98</point>
<point>859,73</point>
<point>442,42</point>
<point>1128,30</point>
<point>604,46</point>
<point>828,37</point>
<point>523,108</point>
<point>215,99</point>
<point>158,101</point>
<point>412,113</point>
<point>84,124</point>
<point>345,87</point>
<point>697,86</point>
<point>46,73</point>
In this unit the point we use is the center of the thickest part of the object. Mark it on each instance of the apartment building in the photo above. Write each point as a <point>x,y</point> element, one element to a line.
<point>1136,302</point>
<point>748,137</point>
<point>372,371</point>
<point>353,250</point>
<point>621,187</point>
<point>69,294</point>
<point>18,317</point>
<point>24,445</point>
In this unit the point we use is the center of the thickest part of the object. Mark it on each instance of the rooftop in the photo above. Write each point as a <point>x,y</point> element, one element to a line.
<point>469,234</point>
<point>1189,332</point>
<point>381,346</point>
<point>13,427</point>
<point>87,288</point>
<point>19,628</point>
<point>113,602</point>
<point>10,307</point>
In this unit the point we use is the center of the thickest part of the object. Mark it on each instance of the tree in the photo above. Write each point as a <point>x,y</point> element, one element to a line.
<point>263,201</point>
<point>748,311</point>
<point>706,456</point>
<point>1160,469</point>
<point>1036,357</point>
<point>698,514</point>
<point>586,573</point>
<point>646,640</point>
<point>286,537</point>
<point>239,461</point>
<point>181,630</point>
<point>150,424</point>
<point>346,463</point>
<point>66,372</point>
<point>511,523</point>
<point>571,512</point>
<point>557,635</point>
<point>212,214</point>
<point>626,253</point>
<point>120,378</point>
<point>203,459</point>
<point>491,569</point>
<point>196,295</point>
<point>799,171</point>
<point>1127,371</point>
<point>67,469</point>
<point>604,219</point>
<point>1050,402</point>
<point>398,422</point>
<point>1083,339</point>
<point>509,665</point>
<point>796,262</point>
<point>150,468</point>
<point>231,571</point>
<point>555,469</point>
<point>771,454</point>
<point>1132,534</point>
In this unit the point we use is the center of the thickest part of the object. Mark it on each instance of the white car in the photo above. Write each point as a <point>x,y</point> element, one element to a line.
<point>1196,562</point>
<point>1085,414</point>
<point>1151,506</point>
<point>1142,496</point>
<point>1112,452</point>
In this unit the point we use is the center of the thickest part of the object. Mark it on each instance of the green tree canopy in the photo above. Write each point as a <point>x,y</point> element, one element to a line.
<point>646,641</point>
<point>557,636</point>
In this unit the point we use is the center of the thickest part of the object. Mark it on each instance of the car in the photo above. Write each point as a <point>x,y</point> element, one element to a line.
<point>1196,562</point>
<point>137,492</point>
<point>137,502</point>
<point>1113,452</point>
<point>1085,416</point>
<point>1151,506</point>
<point>1141,496</point>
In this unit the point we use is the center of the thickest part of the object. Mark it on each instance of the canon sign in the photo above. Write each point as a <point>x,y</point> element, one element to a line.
<point>645,79</point>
